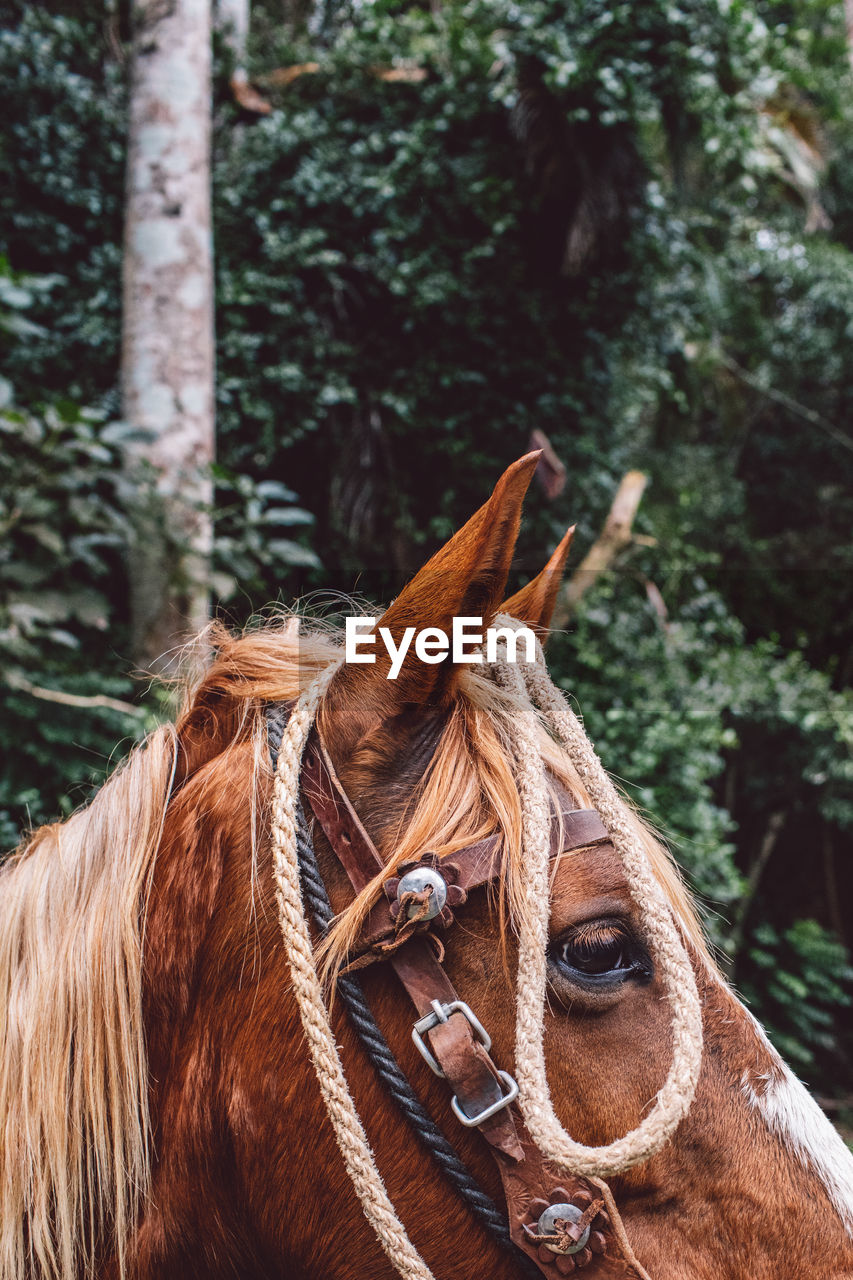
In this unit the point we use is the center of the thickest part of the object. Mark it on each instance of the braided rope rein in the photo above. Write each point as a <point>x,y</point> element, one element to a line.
<point>349,1132</point>
<point>382,1059</point>
<point>533,684</point>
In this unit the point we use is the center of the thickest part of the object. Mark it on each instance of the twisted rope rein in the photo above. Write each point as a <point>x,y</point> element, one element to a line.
<point>349,1132</point>
<point>533,684</point>
<point>376,1046</point>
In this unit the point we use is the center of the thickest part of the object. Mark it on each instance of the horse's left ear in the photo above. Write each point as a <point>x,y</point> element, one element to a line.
<point>466,578</point>
<point>534,604</point>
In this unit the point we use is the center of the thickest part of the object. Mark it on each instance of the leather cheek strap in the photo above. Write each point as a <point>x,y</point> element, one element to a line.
<point>530,1183</point>
<point>341,825</point>
<point>463,1059</point>
<point>470,1071</point>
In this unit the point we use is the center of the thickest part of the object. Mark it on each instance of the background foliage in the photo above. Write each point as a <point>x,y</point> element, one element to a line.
<point>629,226</point>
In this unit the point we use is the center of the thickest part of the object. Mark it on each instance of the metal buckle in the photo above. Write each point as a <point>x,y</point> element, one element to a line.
<point>510,1096</point>
<point>440,1013</point>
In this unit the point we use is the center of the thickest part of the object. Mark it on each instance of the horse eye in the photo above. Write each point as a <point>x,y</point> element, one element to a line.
<point>601,953</point>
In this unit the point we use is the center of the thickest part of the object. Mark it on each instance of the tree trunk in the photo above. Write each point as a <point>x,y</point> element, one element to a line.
<point>737,933</point>
<point>167,351</point>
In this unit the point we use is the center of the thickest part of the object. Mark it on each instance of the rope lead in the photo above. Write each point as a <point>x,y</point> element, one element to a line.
<point>535,688</point>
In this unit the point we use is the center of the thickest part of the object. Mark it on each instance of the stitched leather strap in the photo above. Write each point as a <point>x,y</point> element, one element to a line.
<point>479,863</point>
<point>530,1183</point>
<point>530,1186</point>
<point>354,848</point>
<point>466,1063</point>
<point>470,1071</point>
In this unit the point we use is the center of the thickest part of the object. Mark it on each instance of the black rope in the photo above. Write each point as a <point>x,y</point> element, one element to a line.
<point>387,1068</point>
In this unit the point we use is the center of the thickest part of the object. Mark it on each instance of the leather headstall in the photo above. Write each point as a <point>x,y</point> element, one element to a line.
<point>561,1222</point>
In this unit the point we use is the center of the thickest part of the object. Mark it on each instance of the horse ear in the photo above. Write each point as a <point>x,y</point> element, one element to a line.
<point>534,604</point>
<point>466,578</point>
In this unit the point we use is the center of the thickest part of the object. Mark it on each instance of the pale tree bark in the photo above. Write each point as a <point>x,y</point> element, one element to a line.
<point>167,349</point>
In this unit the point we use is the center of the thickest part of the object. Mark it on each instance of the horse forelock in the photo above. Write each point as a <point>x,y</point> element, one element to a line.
<point>435,778</point>
<point>457,773</point>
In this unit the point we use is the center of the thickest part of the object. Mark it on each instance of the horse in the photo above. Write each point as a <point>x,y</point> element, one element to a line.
<point>161,1113</point>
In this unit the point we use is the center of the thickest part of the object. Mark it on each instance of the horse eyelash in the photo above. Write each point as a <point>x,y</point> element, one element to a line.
<point>595,933</point>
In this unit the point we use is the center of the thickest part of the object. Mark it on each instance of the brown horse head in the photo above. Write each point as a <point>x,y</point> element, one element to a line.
<point>161,1113</point>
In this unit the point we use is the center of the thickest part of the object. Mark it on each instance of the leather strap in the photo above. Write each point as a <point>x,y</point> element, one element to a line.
<point>463,870</point>
<point>466,1064</point>
<point>530,1184</point>
<point>478,864</point>
<point>463,1058</point>
<point>354,848</point>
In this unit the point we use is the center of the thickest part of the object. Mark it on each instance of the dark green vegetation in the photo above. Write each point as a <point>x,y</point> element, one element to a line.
<point>629,226</point>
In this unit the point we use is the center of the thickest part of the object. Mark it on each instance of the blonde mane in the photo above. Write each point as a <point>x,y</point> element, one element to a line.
<point>75,1158</point>
<point>73,1079</point>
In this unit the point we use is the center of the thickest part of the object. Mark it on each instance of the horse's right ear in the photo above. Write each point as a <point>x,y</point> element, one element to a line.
<point>534,604</point>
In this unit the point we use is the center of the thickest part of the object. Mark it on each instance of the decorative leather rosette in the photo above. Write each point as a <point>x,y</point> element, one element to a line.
<point>405,906</point>
<point>567,1230</point>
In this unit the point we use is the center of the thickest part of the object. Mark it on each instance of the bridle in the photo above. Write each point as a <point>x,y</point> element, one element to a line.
<point>543,1169</point>
<point>557,1224</point>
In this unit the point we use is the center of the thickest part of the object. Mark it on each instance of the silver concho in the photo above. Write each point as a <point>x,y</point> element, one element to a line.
<point>418,880</point>
<point>546,1226</point>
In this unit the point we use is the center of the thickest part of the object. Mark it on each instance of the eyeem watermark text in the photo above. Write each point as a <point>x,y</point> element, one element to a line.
<point>433,645</point>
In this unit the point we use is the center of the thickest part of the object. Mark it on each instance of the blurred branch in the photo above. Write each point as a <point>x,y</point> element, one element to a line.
<point>787,402</point>
<point>400,75</point>
<point>772,832</point>
<point>73,699</point>
<point>550,471</point>
<point>283,76</point>
<point>248,97</point>
<point>614,537</point>
<point>656,600</point>
<point>280,77</point>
